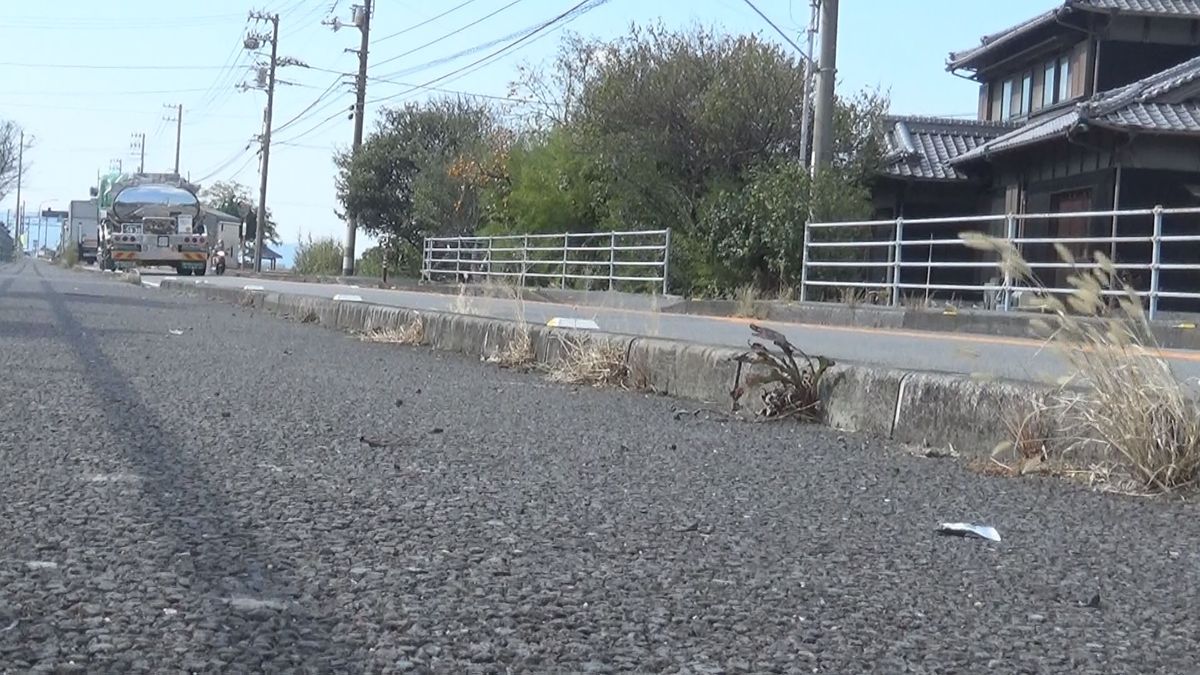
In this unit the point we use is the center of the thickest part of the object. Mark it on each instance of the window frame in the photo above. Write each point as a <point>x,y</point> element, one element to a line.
<point>1050,85</point>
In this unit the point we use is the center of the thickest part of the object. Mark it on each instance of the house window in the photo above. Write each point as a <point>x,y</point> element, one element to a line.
<point>1064,78</point>
<point>1006,95</point>
<point>1048,90</point>
<point>1027,93</point>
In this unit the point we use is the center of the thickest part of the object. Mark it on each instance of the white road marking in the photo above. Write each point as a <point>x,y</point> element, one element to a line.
<point>558,322</point>
<point>252,287</point>
<point>151,284</point>
<point>41,565</point>
<point>348,298</point>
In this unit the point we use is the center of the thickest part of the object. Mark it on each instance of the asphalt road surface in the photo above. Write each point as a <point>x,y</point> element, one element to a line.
<point>200,500</point>
<point>1012,358</point>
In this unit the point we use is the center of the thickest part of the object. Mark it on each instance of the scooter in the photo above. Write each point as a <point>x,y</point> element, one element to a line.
<point>218,261</point>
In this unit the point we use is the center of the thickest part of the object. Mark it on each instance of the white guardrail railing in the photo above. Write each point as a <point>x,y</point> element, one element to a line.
<point>1153,249</point>
<point>603,259</point>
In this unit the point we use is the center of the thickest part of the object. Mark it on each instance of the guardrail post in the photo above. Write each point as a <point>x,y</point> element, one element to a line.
<point>1155,261</point>
<point>524,258</point>
<point>457,260</point>
<point>804,264</point>
<point>899,245</point>
<point>1010,233</point>
<point>563,280</point>
<point>666,259</point>
<point>612,259</point>
<point>488,261</point>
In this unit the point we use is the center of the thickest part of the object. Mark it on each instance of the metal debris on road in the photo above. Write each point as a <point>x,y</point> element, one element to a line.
<point>969,530</point>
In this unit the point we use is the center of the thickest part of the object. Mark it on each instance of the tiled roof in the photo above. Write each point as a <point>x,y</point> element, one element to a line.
<point>1161,117</point>
<point>922,147</point>
<point>1147,7</point>
<point>1166,102</point>
<point>1170,8</point>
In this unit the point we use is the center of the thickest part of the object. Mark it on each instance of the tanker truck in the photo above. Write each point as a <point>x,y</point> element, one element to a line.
<point>151,220</point>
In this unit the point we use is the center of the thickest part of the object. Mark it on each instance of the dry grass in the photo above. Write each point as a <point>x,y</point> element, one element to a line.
<point>1122,399</point>
<point>517,350</point>
<point>411,334</point>
<point>852,296</point>
<point>748,303</point>
<point>590,362</point>
<point>788,389</point>
<point>1031,433</point>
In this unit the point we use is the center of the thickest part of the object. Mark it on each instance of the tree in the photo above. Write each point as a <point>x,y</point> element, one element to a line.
<point>6,243</point>
<point>10,154</point>
<point>694,131</point>
<point>413,176</point>
<point>235,199</point>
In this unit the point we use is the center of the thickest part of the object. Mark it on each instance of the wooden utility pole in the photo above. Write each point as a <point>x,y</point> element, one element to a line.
<point>362,20</point>
<point>823,125</point>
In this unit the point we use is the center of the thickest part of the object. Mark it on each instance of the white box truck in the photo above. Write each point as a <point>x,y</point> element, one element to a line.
<point>84,228</point>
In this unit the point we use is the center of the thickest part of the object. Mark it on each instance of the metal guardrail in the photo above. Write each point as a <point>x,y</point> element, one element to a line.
<point>877,255</point>
<point>609,258</point>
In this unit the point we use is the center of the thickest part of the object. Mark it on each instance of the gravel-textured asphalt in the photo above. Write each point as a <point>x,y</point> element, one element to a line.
<point>202,502</point>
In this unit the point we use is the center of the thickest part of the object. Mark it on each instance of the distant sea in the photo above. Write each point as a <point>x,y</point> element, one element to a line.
<point>288,251</point>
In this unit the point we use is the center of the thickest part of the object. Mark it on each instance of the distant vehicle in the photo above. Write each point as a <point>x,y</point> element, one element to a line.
<point>84,228</point>
<point>151,220</point>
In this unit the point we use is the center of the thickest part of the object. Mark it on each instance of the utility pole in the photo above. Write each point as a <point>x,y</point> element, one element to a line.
<point>177,118</point>
<point>806,108</point>
<point>20,176</point>
<point>137,145</point>
<point>265,80</point>
<point>362,21</point>
<point>823,125</point>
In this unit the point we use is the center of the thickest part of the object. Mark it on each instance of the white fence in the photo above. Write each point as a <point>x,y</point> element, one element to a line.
<point>1153,249</point>
<point>604,259</point>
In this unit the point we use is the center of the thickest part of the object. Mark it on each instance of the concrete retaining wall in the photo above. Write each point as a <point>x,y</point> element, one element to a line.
<point>908,406</point>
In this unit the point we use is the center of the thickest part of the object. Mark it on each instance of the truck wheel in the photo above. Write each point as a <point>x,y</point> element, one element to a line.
<point>106,261</point>
<point>200,271</point>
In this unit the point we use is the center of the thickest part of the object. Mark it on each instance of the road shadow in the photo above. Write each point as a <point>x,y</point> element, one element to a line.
<point>74,297</point>
<point>226,560</point>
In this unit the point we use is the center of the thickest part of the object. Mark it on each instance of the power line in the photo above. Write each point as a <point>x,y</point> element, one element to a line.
<point>454,91</point>
<point>426,21</point>
<point>750,3</point>
<point>332,87</point>
<point>92,66</point>
<point>472,50</point>
<point>574,13</point>
<point>446,35</point>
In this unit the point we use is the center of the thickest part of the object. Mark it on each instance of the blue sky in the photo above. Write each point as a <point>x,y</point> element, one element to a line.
<point>68,77</point>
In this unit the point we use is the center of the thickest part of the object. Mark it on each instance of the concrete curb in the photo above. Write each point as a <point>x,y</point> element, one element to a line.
<point>908,406</point>
<point>1170,334</point>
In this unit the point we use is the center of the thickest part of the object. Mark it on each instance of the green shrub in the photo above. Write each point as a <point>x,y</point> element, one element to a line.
<point>320,256</point>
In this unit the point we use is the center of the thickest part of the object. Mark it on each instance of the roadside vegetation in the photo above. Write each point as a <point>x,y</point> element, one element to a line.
<point>1122,412</point>
<point>319,257</point>
<point>693,130</point>
<point>69,257</point>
